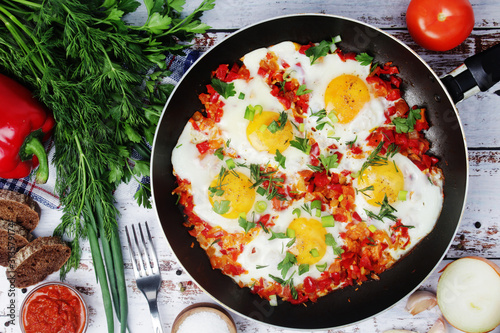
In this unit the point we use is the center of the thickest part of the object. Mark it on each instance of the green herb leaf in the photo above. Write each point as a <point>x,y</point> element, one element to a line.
<point>280,159</point>
<point>406,125</point>
<point>221,207</point>
<point>303,268</point>
<point>301,144</point>
<point>224,89</point>
<point>275,235</point>
<point>246,225</point>
<point>287,263</point>
<point>302,90</point>
<point>318,51</point>
<point>364,58</point>
<point>219,154</point>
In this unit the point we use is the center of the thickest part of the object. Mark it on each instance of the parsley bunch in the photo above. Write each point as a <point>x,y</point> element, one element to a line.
<point>101,78</point>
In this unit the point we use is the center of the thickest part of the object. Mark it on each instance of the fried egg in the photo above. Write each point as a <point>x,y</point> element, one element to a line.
<point>260,167</point>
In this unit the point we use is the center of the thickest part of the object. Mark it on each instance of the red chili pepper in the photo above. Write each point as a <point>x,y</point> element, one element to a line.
<point>24,124</point>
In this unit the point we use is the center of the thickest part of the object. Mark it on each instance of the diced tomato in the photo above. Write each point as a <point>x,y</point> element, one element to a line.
<point>203,147</point>
<point>309,285</point>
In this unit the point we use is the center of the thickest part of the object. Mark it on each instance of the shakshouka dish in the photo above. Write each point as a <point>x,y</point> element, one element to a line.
<point>306,171</point>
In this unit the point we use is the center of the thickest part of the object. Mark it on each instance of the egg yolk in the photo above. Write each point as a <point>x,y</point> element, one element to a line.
<point>262,139</point>
<point>309,246</point>
<point>386,180</point>
<point>236,189</point>
<point>346,95</point>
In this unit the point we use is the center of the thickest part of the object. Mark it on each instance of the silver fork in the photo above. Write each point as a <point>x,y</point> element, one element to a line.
<point>146,271</point>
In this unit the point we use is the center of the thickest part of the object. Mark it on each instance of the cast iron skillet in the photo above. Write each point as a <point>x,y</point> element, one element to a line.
<point>421,87</point>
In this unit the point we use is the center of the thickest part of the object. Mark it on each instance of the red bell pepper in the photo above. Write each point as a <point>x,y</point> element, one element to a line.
<point>24,124</point>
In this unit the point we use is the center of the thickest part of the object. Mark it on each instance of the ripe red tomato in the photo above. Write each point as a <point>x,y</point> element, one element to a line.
<point>439,25</point>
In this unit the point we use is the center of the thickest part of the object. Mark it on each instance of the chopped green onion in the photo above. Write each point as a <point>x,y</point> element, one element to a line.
<point>296,211</point>
<point>402,195</point>
<point>273,301</point>
<point>316,204</point>
<point>301,127</point>
<point>318,213</point>
<point>290,233</point>
<point>341,197</point>
<point>372,228</point>
<point>322,267</point>
<point>241,96</point>
<point>314,252</point>
<point>230,163</point>
<point>260,206</point>
<point>263,128</point>
<point>328,221</point>
<point>258,109</point>
<point>333,117</point>
<point>261,191</point>
<point>336,39</point>
<point>308,150</point>
<point>249,113</point>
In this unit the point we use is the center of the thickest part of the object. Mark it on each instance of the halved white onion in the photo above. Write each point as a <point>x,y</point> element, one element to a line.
<point>468,294</point>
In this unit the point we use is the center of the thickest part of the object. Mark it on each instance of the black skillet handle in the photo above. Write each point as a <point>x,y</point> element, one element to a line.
<point>478,73</point>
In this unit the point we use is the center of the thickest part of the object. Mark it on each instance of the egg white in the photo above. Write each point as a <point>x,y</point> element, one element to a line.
<point>420,210</point>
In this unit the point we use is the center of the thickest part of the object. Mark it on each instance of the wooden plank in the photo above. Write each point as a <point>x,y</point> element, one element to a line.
<point>234,14</point>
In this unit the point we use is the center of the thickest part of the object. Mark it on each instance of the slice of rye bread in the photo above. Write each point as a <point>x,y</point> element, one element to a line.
<point>19,208</point>
<point>34,262</point>
<point>13,237</point>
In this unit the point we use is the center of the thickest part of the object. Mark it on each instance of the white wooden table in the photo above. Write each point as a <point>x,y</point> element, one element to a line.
<point>479,230</point>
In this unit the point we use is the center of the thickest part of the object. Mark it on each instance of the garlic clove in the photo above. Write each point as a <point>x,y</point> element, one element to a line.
<point>419,301</point>
<point>439,327</point>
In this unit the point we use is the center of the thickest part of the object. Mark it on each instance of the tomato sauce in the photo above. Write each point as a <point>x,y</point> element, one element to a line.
<point>54,308</point>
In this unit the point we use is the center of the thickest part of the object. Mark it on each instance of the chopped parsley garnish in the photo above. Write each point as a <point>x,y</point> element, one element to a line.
<point>287,263</point>
<point>301,144</point>
<point>320,50</point>
<point>219,153</point>
<point>224,89</point>
<point>275,235</point>
<point>221,207</point>
<point>386,211</point>
<point>302,90</point>
<point>245,224</point>
<point>280,159</point>
<point>329,162</point>
<point>406,125</point>
<point>279,125</point>
<point>364,59</point>
<point>303,268</point>
<point>330,241</point>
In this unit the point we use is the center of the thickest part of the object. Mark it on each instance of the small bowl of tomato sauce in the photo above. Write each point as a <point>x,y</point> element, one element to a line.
<point>54,307</point>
